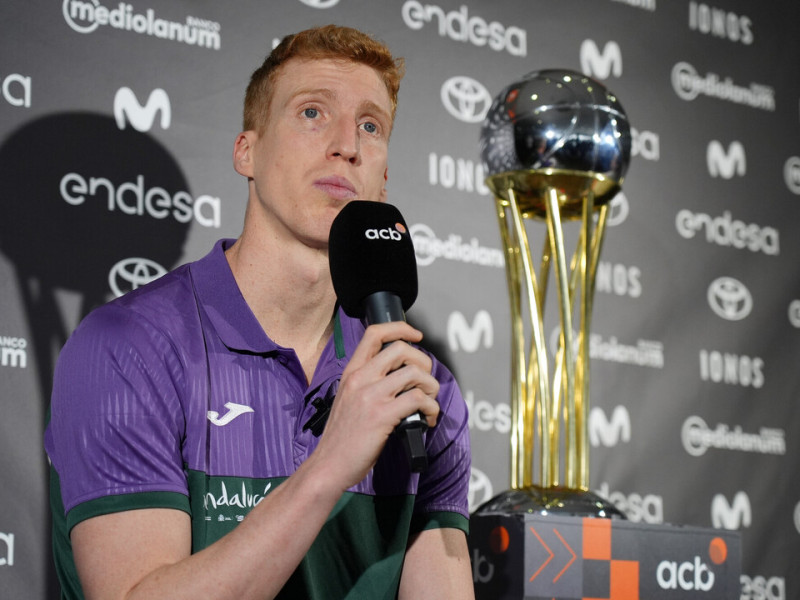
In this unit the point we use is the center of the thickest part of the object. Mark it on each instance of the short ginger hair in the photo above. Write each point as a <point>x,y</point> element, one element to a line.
<point>327,42</point>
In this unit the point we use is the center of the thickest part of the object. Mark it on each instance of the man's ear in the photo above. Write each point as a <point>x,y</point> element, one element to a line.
<point>243,153</point>
<point>383,190</point>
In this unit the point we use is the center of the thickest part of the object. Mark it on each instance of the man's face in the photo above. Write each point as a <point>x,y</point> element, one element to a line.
<point>325,143</point>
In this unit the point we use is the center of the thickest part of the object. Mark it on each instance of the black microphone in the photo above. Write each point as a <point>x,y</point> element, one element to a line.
<point>374,274</point>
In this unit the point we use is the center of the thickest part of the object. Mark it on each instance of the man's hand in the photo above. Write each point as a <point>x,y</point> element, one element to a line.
<point>379,388</point>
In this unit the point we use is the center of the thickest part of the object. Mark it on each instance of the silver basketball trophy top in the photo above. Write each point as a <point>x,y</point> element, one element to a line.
<point>556,127</point>
<point>555,146</point>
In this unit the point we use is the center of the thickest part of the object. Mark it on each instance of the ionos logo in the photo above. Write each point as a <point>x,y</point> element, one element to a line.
<point>643,4</point>
<point>726,164</point>
<point>729,299</point>
<point>618,210</point>
<point>320,3</point>
<point>86,17</point>
<point>428,248</point>
<point>794,313</point>
<point>16,90</point>
<point>459,173</point>
<point>725,231</point>
<point>469,338</point>
<point>647,509</point>
<point>13,352</point>
<point>485,416</point>
<point>141,118</point>
<point>460,27</point>
<point>466,99</point>
<point>688,85</point>
<point>620,280</point>
<point>132,198</point>
<point>480,488</point>
<point>720,23</point>
<point>7,559</point>
<point>697,438</point>
<point>609,433</point>
<point>733,369</point>
<point>645,144</point>
<point>687,576</point>
<point>601,64</point>
<point>791,174</point>
<point>131,273</point>
<point>761,588</point>
<point>731,516</point>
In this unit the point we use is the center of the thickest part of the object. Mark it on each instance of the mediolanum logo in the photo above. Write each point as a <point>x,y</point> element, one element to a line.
<point>87,16</point>
<point>466,99</point>
<point>131,273</point>
<point>729,299</point>
<point>127,109</point>
<point>601,64</point>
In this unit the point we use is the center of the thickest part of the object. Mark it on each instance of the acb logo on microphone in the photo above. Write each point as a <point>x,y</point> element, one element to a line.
<point>386,234</point>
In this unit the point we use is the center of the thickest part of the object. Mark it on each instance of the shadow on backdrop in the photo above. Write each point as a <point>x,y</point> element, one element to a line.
<point>78,196</point>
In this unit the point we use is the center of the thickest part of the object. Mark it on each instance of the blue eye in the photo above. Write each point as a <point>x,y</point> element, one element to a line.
<point>370,127</point>
<point>311,113</point>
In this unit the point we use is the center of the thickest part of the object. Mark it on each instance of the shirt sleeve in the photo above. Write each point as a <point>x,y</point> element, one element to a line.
<point>444,486</point>
<point>116,422</point>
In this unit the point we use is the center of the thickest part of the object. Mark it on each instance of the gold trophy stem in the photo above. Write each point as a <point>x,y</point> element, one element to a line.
<point>539,411</point>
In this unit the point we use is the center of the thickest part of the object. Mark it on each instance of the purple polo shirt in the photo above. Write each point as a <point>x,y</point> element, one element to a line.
<point>174,396</point>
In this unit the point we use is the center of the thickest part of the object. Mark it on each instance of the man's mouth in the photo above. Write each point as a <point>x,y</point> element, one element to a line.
<point>336,187</point>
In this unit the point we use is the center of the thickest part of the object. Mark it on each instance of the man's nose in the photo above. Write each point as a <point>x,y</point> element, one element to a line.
<point>345,141</point>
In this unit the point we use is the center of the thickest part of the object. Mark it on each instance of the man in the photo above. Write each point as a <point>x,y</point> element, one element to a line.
<point>181,465</point>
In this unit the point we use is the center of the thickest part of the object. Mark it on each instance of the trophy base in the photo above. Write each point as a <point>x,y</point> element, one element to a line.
<point>554,500</point>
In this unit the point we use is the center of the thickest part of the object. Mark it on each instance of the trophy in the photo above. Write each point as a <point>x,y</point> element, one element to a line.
<point>555,147</point>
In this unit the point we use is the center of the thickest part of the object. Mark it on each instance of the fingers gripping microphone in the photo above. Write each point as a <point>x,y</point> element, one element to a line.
<point>374,273</point>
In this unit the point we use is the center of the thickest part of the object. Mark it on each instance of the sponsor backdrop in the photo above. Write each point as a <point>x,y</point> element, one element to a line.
<point>116,128</point>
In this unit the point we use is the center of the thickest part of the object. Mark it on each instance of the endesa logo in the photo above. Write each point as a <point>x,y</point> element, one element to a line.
<point>7,557</point>
<point>724,230</point>
<point>87,17</point>
<point>759,587</point>
<point>388,233</point>
<point>16,90</point>
<point>133,198</point>
<point>459,26</point>
<point>647,508</point>
<point>466,99</point>
<point>127,109</point>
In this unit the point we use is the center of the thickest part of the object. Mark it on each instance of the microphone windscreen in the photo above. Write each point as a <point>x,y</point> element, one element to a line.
<point>370,250</point>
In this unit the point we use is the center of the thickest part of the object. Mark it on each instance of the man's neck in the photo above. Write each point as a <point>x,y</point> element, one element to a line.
<point>289,290</point>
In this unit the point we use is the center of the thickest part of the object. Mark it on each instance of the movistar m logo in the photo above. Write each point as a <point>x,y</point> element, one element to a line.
<point>234,410</point>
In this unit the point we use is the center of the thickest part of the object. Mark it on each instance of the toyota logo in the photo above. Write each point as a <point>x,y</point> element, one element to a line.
<point>466,99</point>
<point>729,299</point>
<point>480,488</point>
<point>131,273</point>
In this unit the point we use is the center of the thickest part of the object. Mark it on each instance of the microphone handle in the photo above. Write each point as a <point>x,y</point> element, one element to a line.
<point>385,307</point>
